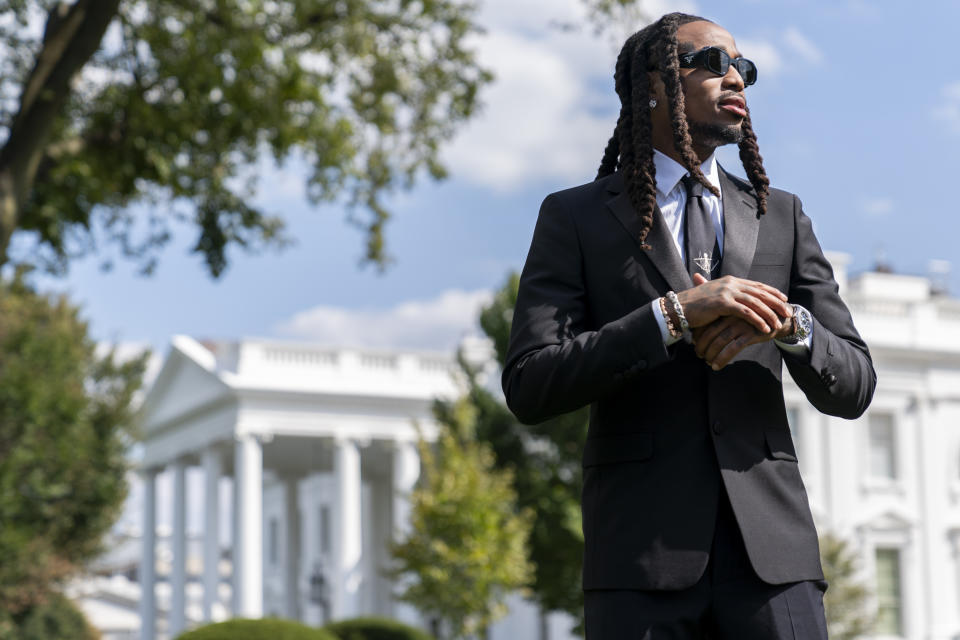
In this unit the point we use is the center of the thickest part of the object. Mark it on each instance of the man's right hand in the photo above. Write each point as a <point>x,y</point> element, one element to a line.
<point>759,304</point>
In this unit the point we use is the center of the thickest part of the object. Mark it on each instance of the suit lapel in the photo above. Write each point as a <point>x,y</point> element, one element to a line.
<point>663,252</point>
<point>741,224</point>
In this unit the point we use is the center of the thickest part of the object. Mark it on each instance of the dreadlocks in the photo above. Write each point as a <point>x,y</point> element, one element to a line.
<point>630,149</point>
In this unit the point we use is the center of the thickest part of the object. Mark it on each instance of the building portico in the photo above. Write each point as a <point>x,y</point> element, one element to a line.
<point>320,448</point>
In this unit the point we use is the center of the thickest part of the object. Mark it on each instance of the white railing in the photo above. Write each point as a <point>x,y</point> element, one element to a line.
<point>340,359</point>
<point>300,356</point>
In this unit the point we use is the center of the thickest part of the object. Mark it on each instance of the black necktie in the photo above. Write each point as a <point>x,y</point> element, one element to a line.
<point>702,244</point>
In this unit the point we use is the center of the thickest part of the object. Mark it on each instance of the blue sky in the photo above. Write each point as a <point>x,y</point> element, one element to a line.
<point>857,110</point>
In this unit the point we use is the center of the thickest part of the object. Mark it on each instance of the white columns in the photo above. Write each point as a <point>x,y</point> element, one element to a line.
<point>248,531</point>
<point>292,552</point>
<point>148,568</point>
<point>955,556</point>
<point>178,572</point>
<point>348,541</point>
<point>406,471</point>
<point>939,601</point>
<point>212,469</point>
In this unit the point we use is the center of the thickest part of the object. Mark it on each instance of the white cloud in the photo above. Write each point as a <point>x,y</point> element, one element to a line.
<point>802,46</point>
<point>534,16</point>
<point>877,206</point>
<point>948,109</point>
<point>657,8</point>
<point>536,122</point>
<point>764,54</point>
<point>436,323</point>
<point>552,107</point>
<point>769,53</point>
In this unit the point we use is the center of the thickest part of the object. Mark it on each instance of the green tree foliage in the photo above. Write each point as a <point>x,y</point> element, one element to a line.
<point>115,139</point>
<point>65,412</point>
<point>56,618</point>
<point>265,629</point>
<point>173,107</point>
<point>375,629</point>
<point>545,462</point>
<point>846,600</point>
<point>467,546</point>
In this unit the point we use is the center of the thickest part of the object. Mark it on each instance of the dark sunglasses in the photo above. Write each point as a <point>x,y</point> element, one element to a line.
<point>718,61</point>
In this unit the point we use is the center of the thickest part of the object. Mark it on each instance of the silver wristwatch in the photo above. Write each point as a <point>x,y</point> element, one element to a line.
<point>802,326</point>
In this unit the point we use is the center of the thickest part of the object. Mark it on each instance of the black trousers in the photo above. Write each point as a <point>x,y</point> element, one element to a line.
<point>728,603</point>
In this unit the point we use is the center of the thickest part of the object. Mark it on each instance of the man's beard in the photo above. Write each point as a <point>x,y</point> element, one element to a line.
<point>714,134</point>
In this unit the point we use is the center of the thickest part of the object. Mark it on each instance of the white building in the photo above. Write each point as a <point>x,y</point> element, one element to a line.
<point>890,481</point>
<point>319,444</point>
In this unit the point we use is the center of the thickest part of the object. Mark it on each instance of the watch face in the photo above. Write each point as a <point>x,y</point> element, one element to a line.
<point>804,323</point>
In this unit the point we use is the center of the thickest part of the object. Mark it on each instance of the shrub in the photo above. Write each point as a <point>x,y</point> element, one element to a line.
<point>375,629</point>
<point>265,629</point>
<point>66,417</point>
<point>56,619</point>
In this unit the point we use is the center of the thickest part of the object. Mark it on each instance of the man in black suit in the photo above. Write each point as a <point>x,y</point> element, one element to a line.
<point>666,295</point>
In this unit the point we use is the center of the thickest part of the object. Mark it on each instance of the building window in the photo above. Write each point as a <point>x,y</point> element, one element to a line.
<point>324,529</point>
<point>273,541</point>
<point>889,594</point>
<point>883,451</point>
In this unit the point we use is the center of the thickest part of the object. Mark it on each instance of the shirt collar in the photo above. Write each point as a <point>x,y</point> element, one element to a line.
<point>670,172</point>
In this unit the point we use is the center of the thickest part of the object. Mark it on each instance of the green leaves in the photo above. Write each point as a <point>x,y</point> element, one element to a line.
<point>166,120</point>
<point>846,600</point>
<point>172,113</point>
<point>545,462</point>
<point>65,420</point>
<point>467,546</point>
<point>487,466</point>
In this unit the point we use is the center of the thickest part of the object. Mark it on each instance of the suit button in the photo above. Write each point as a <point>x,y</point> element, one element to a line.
<point>717,427</point>
<point>829,379</point>
<point>641,365</point>
<point>617,377</point>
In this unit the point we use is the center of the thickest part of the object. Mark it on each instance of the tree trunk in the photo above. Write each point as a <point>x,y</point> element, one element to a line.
<point>72,35</point>
<point>544,625</point>
<point>8,212</point>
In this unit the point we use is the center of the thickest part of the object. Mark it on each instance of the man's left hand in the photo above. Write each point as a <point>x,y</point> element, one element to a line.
<point>720,341</point>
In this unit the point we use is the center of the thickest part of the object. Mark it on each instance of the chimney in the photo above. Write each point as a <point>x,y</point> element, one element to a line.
<point>939,273</point>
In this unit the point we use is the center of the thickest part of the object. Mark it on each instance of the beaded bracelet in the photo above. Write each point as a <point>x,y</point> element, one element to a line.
<point>684,326</point>
<point>674,332</point>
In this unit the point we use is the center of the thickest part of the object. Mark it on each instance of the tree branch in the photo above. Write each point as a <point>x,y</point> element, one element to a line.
<point>72,35</point>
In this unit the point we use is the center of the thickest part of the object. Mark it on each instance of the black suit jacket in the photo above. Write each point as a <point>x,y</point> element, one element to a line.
<point>661,421</point>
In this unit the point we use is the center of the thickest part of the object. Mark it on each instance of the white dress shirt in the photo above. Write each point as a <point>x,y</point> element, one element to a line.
<point>672,200</point>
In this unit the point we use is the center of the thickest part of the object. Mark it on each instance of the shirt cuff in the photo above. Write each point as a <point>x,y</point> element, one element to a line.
<point>662,323</point>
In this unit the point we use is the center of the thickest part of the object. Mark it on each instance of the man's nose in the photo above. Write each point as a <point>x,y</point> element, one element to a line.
<point>733,80</point>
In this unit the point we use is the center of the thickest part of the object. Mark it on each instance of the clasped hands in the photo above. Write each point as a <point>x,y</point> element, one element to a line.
<point>728,314</point>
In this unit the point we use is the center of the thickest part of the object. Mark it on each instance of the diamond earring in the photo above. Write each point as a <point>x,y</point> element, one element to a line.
<point>653,103</point>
